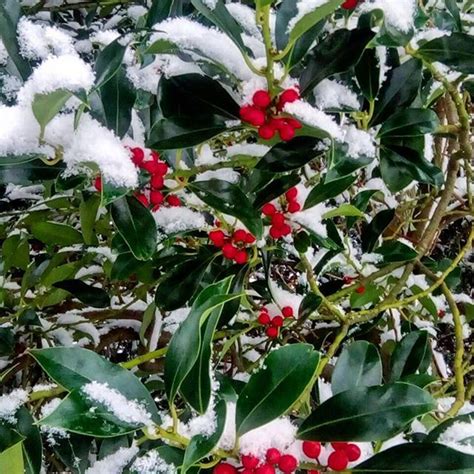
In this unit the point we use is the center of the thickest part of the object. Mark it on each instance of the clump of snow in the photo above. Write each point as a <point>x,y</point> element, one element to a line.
<point>312,219</point>
<point>359,142</point>
<point>14,192</point>
<point>178,219</point>
<point>399,14</point>
<point>250,149</point>
<point>10,86</point>
<point>334,95</point>
<point>304,7</point>
<point>38,41</point>
<point>129,411</point>
<point>174,319</point>
<point>152,463</point>
<point>10,403</point>
<point>284,298</point>
<point>245,16</point>
<point>456,433</point>
<point>210,3</point>
<point>136,11</point>
<point>114,463</point>
<point>3,54</point>
<point>314,117</point>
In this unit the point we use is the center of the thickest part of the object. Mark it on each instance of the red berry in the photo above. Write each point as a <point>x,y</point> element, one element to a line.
<point>157,181</point>
<point>138,155</point>
<point>287,463</point>
<point>352,451</point>
<point>249,461</point>
<point>293,123</point>
<point>264,318</point>
<point>441,313</point>
<point>275,232</point>
<point>173,200</point>
<point>272,332</point>
<point>268,209</point>
<point>143,199</point>
<point>287,96</point>
<point>217,237</point>
<point>247,471</point>
<point>245,112</point>
<point>241,257</point>
<point>155,155</point>
<point>287,311</point>
<point>265,469</point>
<point>98,183</point>
<point>293,207</point>
<point>150,166</point>
<point>262,99</point>
<point>338,445</point>
<point>278,219</point>
<point>313,471</point>
<point>286,133</point>
<point>229,251</point>
<point>277,321</point>
<point>224,468</point>
<point>285,230</point>
<point>347,280</point>
<point>249,238</point>
<point>161,168</point>
<point>253,115</point>
<point>266,132</point>
<point>338,460</point>
<point>360,289</point>
<point>291,194</point>
<point>156,197</point>
<point>273,456</point>
<point>350,4</point>
<point>312,449</point>
<point>277,123</point>
<point>239,235</point>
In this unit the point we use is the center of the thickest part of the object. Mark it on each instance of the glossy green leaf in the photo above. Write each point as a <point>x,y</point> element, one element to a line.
<point>136,225</point>
<point>124,266</point>
<point>32,444</point>
<point>371,295</point>
<point>366,413</point>
<point>359,365</point>
<point>372,231</point>
<point>159,11</point>
<point>394,251</point>
<point>89,295</point>
<point>200,446</point>
<point>324,191</point>
<point>88,213</point>
<point>288,156</point>
<point>8,437</point>
<point>162,46</point>
<point>410,123</point>
<point>418,458</point>
<point>25,173</point>
<point>46,106</point>
<point>398,91</point>
<point>412,354</point>
<point>229,198</point>
<point>73,367</point>
<point>455,50</point>
<point>275,388</point>
<point>368,73</point>
<point>346,210</point>
<point>54,233</point>
<point>11,460</point>
<point>108,62</point>
<point>361,202</point>
<point>337,53</point>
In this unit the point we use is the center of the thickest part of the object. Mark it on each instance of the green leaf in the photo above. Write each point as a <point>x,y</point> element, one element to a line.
<point>162,46</point>
<point>77,414</point>
<point>73,367</point>
<point>159,11</point>
<point>275,388</point>
<point>118,98</point>
<point>310,303</point>
<point>15,252</point>
<point>359,365</point>
<point>8,437</point>
<point>46,106</point>
<point>324,191</point>
<point>372,231</point>
<point>136,225</point>
<point>29,171</point>
<point>394,251</point>
<point>455,50</point>
<point>310,19</point>
<point>54,233</point>
<point>288,156</point>
<point>200,446</point>
<point>366,413</point>
<point>88,212</point>
<point>371,294</point>
<point>7,341</point>
<point>418,458</point>
<point>337,53</point>
<point>410,123</point>
<point>275,188</point>
<point>368,73</point>
<point>398,91</point>
<point>32,444</point>
<point>11,460</point>
<point>89,295</point>
<point>185,345</point>
<point>108,62</point>
<point>230,199</point>
<point>346,210</point>
<point>124,266</point>
<point>411,355</point>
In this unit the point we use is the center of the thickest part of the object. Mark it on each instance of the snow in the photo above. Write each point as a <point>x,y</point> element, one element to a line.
<point>174,319</point>
<point>359,142</point>
<point>3,54</point>
<point>334,95</point>
<point>312,219</point>
<point>398,14</point>
<point>245,16</point>
<point>114,463</point>
<point>152,463</point>
<point>14,192</point>
<point>52,432</point>
<point>136,11</point>
<point>210,3</point>
<point>250,149</point>
<point>457,432</point>
<point>10,403</point>
<point>304,8</point>
<point>178,219</point>
<point>284,298</point>
<point>129,411</point>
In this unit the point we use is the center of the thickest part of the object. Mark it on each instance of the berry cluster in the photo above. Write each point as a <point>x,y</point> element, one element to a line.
<point>263,113</point>
<point>339,459</point>
<point>274,324</point>
<point>279,227</point>
<point>234,246</point>
<point>286,463</point>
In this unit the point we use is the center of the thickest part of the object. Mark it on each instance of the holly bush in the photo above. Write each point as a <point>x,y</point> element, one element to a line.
<point>236,236</point>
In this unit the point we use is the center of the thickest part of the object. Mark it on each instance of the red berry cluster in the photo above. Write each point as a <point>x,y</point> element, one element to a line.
<point>286,463</point>
<point>350,4</point>
<point>339,459</point>
<point>274,324</point>
<point>233,247</point>
<point>279,227</point>
<point>263,114</point>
